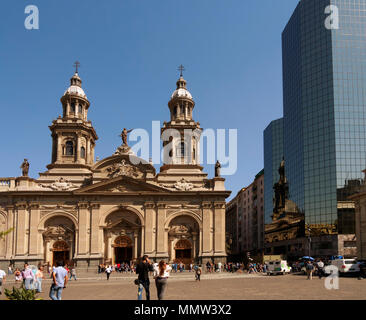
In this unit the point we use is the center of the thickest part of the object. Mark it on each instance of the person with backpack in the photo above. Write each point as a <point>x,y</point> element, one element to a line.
<point>309,270</point>
<point>143,269</point>
<point>198,271</point>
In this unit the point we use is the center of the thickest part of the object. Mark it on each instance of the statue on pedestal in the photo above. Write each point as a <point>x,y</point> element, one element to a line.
<point>25,168</point>
<point>123,135</point>
<point>217,169</point>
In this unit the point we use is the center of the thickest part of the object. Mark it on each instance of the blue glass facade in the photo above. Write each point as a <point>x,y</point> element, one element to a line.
<point>273,153</point>
<point>324,85</point>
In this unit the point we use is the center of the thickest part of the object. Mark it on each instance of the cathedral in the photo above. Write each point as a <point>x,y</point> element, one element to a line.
<point>86,212</point>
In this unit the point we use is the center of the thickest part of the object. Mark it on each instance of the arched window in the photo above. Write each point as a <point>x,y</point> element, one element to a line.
<point>181,149</point>
<point>175,111</point>
<point>82,152</point>
<point>73,107</point>
<point>69,148</point>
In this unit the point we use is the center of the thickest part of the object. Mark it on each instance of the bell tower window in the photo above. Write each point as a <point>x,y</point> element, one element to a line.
<point>69,148</point>
<point>82,152</point>
<point>72,107</point>
<point>181,148</point>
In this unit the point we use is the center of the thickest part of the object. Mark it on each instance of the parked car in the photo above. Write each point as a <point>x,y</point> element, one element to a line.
<point>277,267</point>
<point>346,265</point>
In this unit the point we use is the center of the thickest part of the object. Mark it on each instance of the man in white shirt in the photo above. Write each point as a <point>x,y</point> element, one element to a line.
<point>219,265</point>
<point>108,271</point>
<point>320,269</point>
<point>2,280</point>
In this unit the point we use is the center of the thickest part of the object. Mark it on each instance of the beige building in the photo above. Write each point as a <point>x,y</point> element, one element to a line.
<point>245,219</point>
<point>118,208</point>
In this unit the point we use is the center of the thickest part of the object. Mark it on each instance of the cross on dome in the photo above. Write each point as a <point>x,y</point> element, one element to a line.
<point>76,65</point>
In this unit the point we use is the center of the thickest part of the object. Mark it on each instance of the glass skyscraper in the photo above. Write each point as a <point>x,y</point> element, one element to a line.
<point>324,86</point>
<point>273,154</point>
<point>324,121</point>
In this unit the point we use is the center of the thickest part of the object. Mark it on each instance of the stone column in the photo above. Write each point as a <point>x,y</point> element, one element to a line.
<point>59,148</point>
<point>219,229</point>
<point>109,247</point>
<point>150,227</point>
<point>21,232</point>
<point>47,252</point>
<point>78,148</point>
<point>135,248</point>
<point>92,153</point>
<point>95,246</point>
<point>33,230</point>
<point>161,250</point>
<point>88,153</point>
<point>10,239</point>
<point>67,109</point>
<point>83,241</point>
<point>172,253</point>
<point>194,245</point>
<point>207,229</point>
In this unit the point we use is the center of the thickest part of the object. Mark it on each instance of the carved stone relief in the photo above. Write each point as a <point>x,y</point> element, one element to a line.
<point>124,169</point>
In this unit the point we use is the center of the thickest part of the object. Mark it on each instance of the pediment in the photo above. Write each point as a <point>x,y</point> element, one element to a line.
<point>123,165</point>
<point>122,224</point>
<point>121,184</point>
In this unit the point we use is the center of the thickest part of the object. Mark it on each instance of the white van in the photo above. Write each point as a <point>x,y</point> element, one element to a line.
<point>277,267</point>
<point>346,265</point>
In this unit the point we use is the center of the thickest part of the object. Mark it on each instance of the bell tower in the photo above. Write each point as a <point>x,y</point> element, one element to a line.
<point>182,148</point>
<point>73,136</point>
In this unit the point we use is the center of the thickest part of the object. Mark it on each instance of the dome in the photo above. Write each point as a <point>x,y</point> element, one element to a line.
<point>75,86</point>
<point>76,90</point>
<point>181,92</point>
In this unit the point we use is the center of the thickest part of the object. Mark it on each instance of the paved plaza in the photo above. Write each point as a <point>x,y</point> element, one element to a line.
<point>212,287</point>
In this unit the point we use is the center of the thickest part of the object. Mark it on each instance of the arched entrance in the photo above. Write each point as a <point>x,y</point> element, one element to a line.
<point>59,240</point>
<point>183,251</point>
<point>183,239</point>
<point>61,252</point>
<point>122,236</point>
<point>122,249</point>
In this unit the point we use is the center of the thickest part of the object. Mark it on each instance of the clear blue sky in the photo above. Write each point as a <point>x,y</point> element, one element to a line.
<point>129,52</point>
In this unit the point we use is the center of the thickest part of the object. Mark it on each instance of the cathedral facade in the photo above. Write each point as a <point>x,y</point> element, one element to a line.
<point>87,212</point>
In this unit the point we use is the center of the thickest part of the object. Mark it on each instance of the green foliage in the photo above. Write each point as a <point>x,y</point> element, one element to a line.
<point>21,294</point>
<point>4,233</point>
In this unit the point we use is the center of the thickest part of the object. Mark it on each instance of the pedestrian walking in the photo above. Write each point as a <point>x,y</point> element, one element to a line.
<point>320,269</point>
<point>10,270</point>
<point>198,272</point>
<point>309,270</point>
<point>219,266</point>
<point>59,281</point>
<point>2,280</point>
<point>28,277</point>
<point>39,278</point>
<point>17,275</point>
<point>73,273</point>
<point>108,271</point>
<point>143,269</point>
<point>161,275</point>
